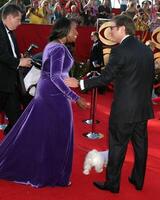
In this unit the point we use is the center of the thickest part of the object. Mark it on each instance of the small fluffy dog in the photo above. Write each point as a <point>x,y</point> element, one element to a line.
<point>96,159</point>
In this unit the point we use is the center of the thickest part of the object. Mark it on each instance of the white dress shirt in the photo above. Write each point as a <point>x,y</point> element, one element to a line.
<point>12,44</point>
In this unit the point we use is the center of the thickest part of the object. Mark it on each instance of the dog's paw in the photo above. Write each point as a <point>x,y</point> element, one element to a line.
<point>99,170</point>
<point>86,172</point>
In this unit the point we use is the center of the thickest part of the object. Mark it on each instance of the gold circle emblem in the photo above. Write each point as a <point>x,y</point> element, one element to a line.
<point>156,37</point>
<point>105,34</point>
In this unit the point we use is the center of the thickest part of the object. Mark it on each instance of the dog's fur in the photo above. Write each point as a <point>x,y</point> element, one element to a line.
<point>96,159</point>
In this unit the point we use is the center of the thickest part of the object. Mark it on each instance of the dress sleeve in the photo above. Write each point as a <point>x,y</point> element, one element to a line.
<point>56,67</point>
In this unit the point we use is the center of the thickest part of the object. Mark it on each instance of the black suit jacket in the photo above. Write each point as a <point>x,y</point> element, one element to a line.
<point>96,54</point>
<point>8,64</point>
<point>131,67</point>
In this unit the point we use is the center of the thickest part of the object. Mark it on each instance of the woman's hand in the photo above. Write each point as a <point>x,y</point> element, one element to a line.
<point>82,103</point>
<point>71,82</point>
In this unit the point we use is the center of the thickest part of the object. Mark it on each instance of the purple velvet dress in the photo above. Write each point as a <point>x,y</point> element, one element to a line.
<point>39,148</point>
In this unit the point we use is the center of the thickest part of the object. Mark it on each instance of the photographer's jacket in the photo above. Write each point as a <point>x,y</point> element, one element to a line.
<point>8,63</point>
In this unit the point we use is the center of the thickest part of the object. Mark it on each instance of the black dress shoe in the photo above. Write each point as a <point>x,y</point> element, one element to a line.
<point>105,186</point>
<point>132,181</point>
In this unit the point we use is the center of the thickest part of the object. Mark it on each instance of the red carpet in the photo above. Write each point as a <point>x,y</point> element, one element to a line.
<point>82,187</point>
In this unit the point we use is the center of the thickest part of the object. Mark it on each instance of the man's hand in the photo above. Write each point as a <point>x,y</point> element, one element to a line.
<point>71,82</point>
<point>82,103</point>
<point>25,62</point>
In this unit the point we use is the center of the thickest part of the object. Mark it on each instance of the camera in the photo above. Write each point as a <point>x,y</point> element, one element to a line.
<point>36,63</point>
<point>28,52</point>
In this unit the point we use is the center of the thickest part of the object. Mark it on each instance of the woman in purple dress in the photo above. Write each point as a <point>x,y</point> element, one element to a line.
<point>39,149</point>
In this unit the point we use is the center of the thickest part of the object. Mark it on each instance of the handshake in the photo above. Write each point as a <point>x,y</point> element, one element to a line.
<point>74,83</point>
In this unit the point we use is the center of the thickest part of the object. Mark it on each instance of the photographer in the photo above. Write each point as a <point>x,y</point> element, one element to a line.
<point>33,14</point>
<point>141,20</point>
<point>10,61</point>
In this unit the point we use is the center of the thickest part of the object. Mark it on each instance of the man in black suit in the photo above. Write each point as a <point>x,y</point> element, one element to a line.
<point>96,54</point>
<point>10,60</point>
<point>96,61</point>
<point>131,67</point>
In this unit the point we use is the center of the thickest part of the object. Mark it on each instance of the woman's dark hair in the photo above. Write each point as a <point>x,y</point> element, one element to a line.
<point>61,28</point>
<point>123,20</point>
<point>11,9</point>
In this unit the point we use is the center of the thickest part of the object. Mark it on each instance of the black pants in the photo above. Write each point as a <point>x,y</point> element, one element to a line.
<point>10,104</point>
<point>119,136</point>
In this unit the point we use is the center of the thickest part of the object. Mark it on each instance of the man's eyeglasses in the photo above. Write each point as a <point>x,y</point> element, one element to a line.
<point>112,27</point>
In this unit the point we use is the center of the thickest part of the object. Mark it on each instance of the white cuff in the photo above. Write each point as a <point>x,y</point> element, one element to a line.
<point>81,83</point>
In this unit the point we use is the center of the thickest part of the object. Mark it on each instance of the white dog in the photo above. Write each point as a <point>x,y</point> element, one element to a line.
<point>96,159</point>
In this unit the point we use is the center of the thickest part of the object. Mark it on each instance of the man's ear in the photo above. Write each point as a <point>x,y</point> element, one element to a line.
<point>123,29</point>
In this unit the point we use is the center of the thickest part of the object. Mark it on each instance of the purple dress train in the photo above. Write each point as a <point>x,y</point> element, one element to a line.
<point>39,148</point>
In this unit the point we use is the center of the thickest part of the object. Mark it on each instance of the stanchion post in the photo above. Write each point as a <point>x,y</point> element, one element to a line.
<point>93,96</point>
<point>93,134</point>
